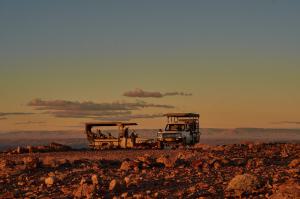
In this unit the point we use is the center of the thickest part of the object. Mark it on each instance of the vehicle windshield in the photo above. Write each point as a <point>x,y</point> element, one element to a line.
<point>175,127</point>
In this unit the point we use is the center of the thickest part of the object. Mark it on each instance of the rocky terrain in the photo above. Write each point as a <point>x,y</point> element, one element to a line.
<point>252,170</point>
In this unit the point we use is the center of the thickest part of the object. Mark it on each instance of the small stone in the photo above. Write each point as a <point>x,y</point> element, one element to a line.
<point>127,180</point>
<point>95,179</point>
<point>115,186</point>
<point>165,160</point>
<point>4,164</point>
<point>84,190</point>
<point>217,165</point>
<point>50,181</point>
<point>197,164</point>
<point>65,190</point>
<point>294,163</point>
<point>124,195</point>
<point>138,196</point>
<point>31,162</point>
<point>125,166</point>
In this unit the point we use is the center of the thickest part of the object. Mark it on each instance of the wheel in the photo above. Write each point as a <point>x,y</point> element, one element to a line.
<point>160,145</point>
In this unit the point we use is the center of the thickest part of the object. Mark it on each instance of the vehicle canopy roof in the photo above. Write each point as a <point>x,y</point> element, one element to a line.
<point>182,115</point>
<point>88,126</point>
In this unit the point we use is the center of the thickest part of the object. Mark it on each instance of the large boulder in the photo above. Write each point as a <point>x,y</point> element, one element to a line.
<point>243,183</point>
<point>287,190</point>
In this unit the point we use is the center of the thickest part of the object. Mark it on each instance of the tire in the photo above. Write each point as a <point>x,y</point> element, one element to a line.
<point>160,145</point>
<point>184,141</point>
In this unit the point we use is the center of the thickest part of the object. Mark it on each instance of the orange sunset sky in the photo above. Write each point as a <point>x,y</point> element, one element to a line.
<point>66,63</point>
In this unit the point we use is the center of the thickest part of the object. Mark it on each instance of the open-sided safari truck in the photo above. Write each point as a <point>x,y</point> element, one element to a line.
<point>181,129</point>
<point>125,139</point>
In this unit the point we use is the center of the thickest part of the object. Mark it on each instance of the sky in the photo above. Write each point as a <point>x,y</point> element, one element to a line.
<point>64,63</point>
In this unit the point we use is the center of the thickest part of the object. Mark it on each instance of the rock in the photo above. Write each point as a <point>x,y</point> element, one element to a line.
<point>66,190</point>
<point>217,165</point>
<point>127,180</point>
<point>49,162</point>
<point>59,147</point>
<point>50,181</point>
<point>20,150</point>
<point>243,183</point>
<point>126,166</point>
<point>183,159</point>
<point>138,196</point>
<point>219,148</point>
<point>115,186</point>
<point>30,149</point>
<point>239,161</point>
<point>206,167</point>
<point>4,164</point>
<point>254,163</point>
<point>31,162</point>
<point>146,159</point>
<point>225,161</point>
<point>197,164</point>
<point>54,162</point>
<point>7,195</point>
<point>84,191</point>
<point>42,148</point>
<point>136,169</point>
<point>290,189</point>
<point>212,190</point>
<point>124,195</point>
<point>202,146</point>
<point>192,189</point>
<point>185,155</point>
<point>294,163</point>
<point>166,161</point>
<point>95,179</point>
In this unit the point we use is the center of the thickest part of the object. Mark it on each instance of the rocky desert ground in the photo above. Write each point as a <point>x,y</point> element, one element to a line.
<point>251,170</point>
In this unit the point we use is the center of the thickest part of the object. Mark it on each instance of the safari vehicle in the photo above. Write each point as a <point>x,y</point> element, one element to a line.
<point>104,140</point>
<point>181,129</point>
